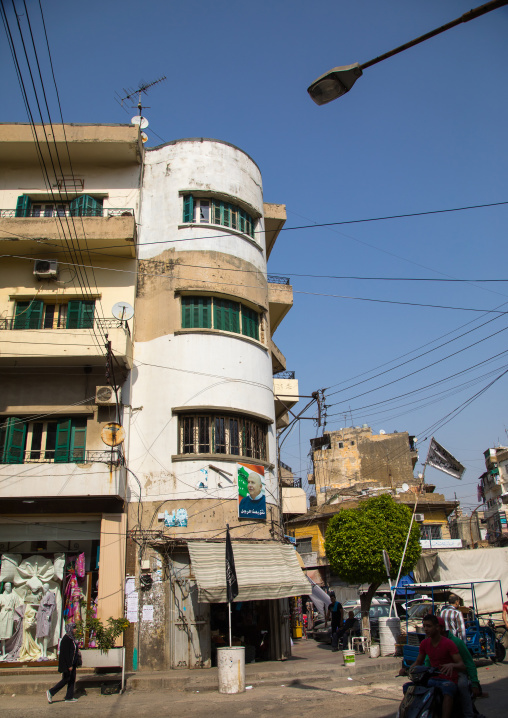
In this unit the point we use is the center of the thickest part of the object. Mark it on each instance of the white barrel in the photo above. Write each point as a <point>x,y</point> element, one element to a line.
<point>389,633</point>
<point>231,665</point>
<point>374,650</point>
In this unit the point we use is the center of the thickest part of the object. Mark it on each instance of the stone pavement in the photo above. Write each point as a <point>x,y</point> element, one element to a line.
<point>309,660</point>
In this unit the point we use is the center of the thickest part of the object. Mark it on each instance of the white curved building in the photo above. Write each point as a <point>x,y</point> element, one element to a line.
<point>202,395</point>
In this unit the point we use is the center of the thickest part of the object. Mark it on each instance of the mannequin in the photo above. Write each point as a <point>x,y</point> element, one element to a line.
<point>44,613</point>
<point>9,601</point>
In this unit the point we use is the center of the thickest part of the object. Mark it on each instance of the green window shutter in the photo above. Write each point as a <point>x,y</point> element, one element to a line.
<point>250,323</point>
<point>216,214</point>
<point>188,208</point>
<point>85,206</point>
<point>21,316</point>
<point>226,215</point>
<point>78,440</point>
<point>196,313</point>
<point>28,315</point>
<point>87,315</point>
<point>63,441</point>
<point>241,225</point>
<point>73,311</point>
<point>226,315</point>
<point>186,312</point>
<point>80,314</point>
<point>23,206</point>
<point>14,442</point>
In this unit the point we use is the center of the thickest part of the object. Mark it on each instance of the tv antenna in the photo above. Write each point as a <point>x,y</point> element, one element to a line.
<point>142,89</point>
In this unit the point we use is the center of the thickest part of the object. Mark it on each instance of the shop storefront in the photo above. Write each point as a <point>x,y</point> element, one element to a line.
<point>53,569</point>
<point>268,574</point>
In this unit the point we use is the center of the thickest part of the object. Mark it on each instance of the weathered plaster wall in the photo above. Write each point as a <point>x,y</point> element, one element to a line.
<point>356,456</point>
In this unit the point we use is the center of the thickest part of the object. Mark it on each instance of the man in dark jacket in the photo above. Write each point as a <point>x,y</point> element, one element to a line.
<point>68,661</point>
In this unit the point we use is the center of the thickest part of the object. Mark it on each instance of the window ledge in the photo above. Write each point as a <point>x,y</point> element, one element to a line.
<point>222,228</point>
<point>219,332</point>
<point>222,457</point>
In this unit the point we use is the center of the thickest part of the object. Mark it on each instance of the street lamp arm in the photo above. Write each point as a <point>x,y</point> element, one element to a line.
<point>471,15</point>
<point>339,80</point>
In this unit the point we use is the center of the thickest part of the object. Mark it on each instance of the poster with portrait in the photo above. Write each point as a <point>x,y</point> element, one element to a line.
<point>251,492</point>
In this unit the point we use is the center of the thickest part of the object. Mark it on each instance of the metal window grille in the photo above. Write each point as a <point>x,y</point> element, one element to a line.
<point>430,532</point>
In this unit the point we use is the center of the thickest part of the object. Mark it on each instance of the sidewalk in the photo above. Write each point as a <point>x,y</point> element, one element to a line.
<point>309,660</point>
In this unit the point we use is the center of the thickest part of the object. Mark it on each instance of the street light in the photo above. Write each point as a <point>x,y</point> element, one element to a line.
<point>339,80</point>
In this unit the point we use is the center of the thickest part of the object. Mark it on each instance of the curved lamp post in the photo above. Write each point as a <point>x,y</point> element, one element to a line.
<point>339,80</point>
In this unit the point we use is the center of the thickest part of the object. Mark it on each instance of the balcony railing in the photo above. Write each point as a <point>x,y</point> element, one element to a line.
<point>9,323</point>
<point>276,279</point>
<point>90,456</point>
<point>284,375</point>
<point>66,212</point>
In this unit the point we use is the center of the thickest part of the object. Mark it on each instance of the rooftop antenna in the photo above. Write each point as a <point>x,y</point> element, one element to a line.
<point>130,93</point>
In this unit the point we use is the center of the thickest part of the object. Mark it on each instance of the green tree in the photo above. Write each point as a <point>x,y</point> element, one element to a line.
<point>355,539</point>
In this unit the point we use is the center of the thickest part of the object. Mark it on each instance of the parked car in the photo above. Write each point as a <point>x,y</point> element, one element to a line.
<point>415,615</point>
<point>379,609</point>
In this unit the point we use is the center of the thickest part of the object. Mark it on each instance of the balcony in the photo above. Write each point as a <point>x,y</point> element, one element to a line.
<point>275,217</point>
<point>286,396</point>
<point>280,299</point>
<point>278,358</point>
<point>101,474</point>
<point>98,144</point>
<point>113,230</point>
<point>76,346</point>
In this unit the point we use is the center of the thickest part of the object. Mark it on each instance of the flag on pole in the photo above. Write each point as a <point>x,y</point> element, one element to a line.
<point>442,460</point>
<point>231,582</point>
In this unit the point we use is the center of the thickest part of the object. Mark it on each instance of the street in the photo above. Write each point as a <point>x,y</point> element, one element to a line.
<point>376,696</point>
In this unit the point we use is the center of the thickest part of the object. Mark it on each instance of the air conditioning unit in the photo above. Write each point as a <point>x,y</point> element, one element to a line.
<point>105,395</point>
<point>419,518</point>
<point>45,268</point>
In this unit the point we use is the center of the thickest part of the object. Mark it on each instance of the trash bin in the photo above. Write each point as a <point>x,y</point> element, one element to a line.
<point>231,665</point>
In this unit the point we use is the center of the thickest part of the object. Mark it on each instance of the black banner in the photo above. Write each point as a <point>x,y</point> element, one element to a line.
<point>231,582</point>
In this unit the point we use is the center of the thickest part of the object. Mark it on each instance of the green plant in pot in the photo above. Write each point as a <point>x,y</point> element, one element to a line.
<point>104,634</point>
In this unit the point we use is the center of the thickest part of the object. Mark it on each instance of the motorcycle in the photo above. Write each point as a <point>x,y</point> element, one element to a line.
<point>424,701</point>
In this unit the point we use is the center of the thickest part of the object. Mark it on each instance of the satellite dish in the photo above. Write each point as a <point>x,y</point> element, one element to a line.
<point>113,434</point>
<point>144,137</point>
<point>405,487</point>
<point>123,311</point>
<point>141,121</point>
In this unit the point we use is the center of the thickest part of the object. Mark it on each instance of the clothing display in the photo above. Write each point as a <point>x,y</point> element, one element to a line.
<point>46,608</point>
<point>13,644</point>
<point>72,608</point>
<point>8,603</point>
<point>41,594</point>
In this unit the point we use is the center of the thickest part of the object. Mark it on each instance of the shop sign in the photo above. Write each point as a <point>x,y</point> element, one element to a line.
<point>441,543</point>
<point>251,492</point>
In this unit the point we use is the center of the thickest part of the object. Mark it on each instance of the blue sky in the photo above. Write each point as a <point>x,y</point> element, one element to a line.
<point>425,130</point>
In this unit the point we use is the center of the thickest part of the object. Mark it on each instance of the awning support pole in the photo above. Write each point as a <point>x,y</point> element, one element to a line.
<point>229,611</point>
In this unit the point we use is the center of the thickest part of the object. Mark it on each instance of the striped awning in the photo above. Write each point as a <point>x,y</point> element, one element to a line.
<point>263,570</point>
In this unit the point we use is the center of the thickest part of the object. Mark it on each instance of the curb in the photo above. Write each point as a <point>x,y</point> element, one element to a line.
<point>197,683</point>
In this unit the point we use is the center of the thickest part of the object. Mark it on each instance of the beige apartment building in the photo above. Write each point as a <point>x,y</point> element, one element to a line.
<point>69,203</point>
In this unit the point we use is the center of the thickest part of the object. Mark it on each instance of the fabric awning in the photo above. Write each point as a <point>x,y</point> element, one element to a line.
<point>263,570</point>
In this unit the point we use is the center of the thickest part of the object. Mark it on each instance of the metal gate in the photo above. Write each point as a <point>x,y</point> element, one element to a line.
<point>189,620</point>
<point>280,629</point>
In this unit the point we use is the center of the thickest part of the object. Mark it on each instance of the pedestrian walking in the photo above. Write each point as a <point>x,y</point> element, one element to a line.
<point>335,613</point>
<point>68,660</point>
<point>453,617</point>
